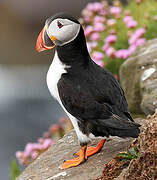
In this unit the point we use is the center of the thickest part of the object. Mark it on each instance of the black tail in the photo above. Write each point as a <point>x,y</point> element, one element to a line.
<point>134,132</point>
<point>116,126</point>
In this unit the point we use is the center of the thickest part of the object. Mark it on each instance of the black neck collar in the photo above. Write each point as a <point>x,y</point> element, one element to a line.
<point>74,52</point>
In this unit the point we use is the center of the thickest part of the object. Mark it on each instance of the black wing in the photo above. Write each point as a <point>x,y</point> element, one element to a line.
<point>96,112</point>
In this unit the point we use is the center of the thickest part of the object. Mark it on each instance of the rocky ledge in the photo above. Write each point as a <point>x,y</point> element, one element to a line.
<point>138,77</point>
<point>46,166</point>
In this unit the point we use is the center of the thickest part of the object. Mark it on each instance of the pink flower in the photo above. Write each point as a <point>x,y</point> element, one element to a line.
<point>105,47</point>
<point>97,6</point>
<point>34,155</point>
<point>40,140</point>
<point>19,154</point>
<point>87,19</point>
<point>47,143</point>
<point>126,54</point>
<point>90,7</point>
<point>37,146</point>
<point>93,44</point>
<point>54,128</point>
<point>140,42</point>
<point>132,24</point>
<point>87,15</point>
<point>94,6</point>
<point>115,10</point>
<point>97,56</point>
<point>88,30</point>
<point>99,27</point>
<point>111,39</point>
<point>127,19</point>
<point>111,22</point>
<point>122,53</point>
<point>132,39</point>
<point>110,52</point>
<point>99,19</point>
<point>29,148</point>
<point>26,154</point>
<point>119,53</point>
<point>132,48</point>
<point>94,36</point>
<point>139,32</point>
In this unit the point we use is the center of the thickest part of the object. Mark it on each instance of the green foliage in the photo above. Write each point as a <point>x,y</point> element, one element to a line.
<point>144,14</point>
<point>114,64</point>
<point>132,153</point>
<point>151,32</point>
<point>14,170</point>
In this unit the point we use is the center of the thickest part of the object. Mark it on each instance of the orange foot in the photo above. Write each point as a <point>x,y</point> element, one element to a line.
<point>76,161</point>
<point>92,150</point>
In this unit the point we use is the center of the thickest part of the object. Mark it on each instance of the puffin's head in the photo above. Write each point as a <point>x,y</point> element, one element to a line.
<point>58,30</point>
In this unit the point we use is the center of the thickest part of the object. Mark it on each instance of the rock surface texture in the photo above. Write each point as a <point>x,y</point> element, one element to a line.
<point>46,167</point>
<point>145,166</point>
<point>138,77</point>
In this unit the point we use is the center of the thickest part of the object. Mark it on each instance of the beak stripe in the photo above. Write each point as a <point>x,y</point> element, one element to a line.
<point>41,45</point>
<point>53,38</point>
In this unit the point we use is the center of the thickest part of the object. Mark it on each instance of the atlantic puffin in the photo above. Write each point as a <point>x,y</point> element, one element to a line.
<point>89,94</point>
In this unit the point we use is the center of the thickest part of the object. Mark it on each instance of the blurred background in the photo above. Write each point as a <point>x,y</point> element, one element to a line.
<point>26,107</point>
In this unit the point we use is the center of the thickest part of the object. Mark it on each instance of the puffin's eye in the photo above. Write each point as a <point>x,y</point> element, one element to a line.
<point>60,25</point>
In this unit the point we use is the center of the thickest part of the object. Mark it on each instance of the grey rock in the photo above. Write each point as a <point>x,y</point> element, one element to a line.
<point>46,167</point>
<point>138,77</point>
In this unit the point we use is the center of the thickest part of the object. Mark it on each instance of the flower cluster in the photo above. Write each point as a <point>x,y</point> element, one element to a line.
<point>134,41</point>
<point>33,150</point>
<point>112,32</point>
<point>130,22</point>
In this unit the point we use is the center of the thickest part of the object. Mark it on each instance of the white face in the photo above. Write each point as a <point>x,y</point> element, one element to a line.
<point>63,30</point>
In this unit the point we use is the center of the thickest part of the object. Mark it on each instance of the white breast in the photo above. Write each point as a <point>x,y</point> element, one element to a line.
<point>57,68</point>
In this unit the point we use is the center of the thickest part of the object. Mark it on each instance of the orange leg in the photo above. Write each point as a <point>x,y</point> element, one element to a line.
<point>92,150</point>
<point>76,161</point>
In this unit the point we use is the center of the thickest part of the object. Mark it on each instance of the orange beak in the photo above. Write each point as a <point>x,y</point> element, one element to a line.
<point>44,42</point>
